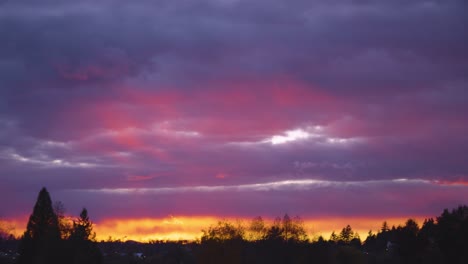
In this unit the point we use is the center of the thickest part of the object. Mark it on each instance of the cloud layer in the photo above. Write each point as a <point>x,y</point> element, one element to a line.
<point>234,107</point>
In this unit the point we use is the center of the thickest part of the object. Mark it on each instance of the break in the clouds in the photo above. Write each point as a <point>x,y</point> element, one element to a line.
<point>234,107</point>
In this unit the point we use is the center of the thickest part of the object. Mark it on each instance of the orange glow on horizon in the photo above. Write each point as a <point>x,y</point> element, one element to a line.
<point>15,226</point>
<point>190,227</point>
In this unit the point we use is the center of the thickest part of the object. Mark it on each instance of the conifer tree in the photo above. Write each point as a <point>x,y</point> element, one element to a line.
<point>82,241</point>
<point>83,228</point>
<point>346,234</point>
<point>41,240</point>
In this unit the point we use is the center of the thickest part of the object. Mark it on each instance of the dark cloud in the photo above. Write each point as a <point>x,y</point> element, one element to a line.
<point>160,94</point>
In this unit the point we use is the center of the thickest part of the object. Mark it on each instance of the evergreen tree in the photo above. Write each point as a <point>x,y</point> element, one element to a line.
<point>333,237</point>
<point>452,234</point>
<point>83,246</point>
<point>346,234</point>
<point>384,227</point>
<point>41,240</point>
<point>83,228</point>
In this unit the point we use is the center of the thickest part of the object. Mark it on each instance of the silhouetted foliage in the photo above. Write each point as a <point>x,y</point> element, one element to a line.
<point>257,229</point>
<point>223,231</point>
<point>64,223</point>
<point>437,241</point>
<point>222,243</point>
<point>346,237</point>
<point>293,229</point>
<point>83,228</point>
<point>41,241</point>
<point>287,230</point>
<point>384,227</point>
<point>275,231</point>
<point>47,241</point>
<point>83,247</point>
<point>452,235</point>
<point>334,237</point>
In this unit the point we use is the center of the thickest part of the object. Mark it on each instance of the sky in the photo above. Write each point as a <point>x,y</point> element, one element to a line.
<point>157,114</point>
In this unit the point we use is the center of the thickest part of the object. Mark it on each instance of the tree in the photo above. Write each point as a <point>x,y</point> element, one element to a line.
<point>452,233</point>
<point>346,234</point>
<point>287,230</point>
<point>222,243</point>
<point>384,227</point>
<point>294,230</point>
<point>257,229</point>
<point>334,237</point>
<point>82,241</point>
<point>41,240</point>
<point>412,227</point>
<point>64,222</point>
<point>83,228</point>
<point>275,232</point>
<point>223,231</point>
<point>287,226</point>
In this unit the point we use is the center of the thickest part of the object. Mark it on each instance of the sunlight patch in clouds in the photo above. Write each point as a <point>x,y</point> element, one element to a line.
<point>317,133</point>
<point>292,135</point>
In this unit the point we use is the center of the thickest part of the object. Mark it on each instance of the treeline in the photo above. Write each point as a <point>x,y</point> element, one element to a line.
<point>49,238</point>
<point>52,238</point>
<point>437,241</point>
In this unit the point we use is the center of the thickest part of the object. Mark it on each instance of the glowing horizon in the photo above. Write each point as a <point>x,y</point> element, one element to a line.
<point>175,228</point>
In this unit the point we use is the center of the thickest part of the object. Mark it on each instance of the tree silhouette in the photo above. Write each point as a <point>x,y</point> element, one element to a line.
<point>287,230</point>
<point>452,234</point>
<point>293,229</point>
<point>384,227</point>
<point>83,246</point>
<point>41,240</point>
<point>257,229</point>
<point>64,222</point>
<point>347,235</point>
<point>333,237</point>
<point>275,232</point>
<point>222,243</point>
<point>223,231</point>
<point>83,228</point>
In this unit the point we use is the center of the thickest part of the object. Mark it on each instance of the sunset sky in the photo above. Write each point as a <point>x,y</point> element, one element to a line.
<point>161,117</point>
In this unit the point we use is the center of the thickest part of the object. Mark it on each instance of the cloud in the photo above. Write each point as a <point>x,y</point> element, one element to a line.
<point>155,97</point>
<point>296,184</point>
<point>305,197</point>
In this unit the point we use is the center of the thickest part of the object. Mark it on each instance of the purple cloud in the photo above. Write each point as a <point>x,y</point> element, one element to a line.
<point>146,96</point>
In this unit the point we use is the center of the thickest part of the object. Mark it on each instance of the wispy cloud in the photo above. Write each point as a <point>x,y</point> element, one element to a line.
<point>44,161</point>
<point>284,185</point>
